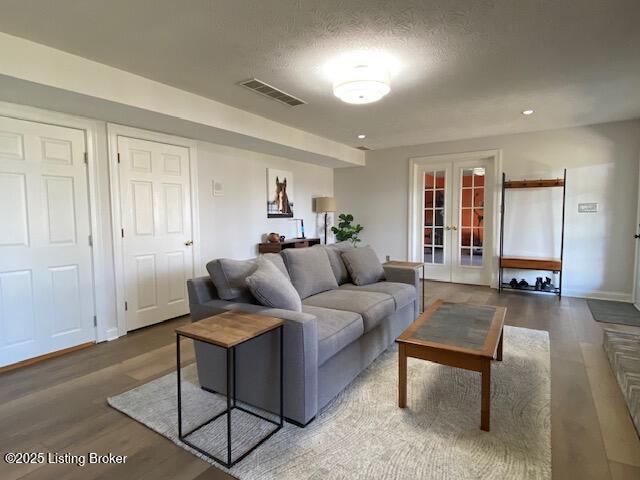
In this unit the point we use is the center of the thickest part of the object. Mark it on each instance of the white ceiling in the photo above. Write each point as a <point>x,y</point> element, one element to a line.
<point>468,67</point>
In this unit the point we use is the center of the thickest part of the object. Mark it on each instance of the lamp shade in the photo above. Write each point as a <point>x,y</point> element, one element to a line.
<point>325,204</point>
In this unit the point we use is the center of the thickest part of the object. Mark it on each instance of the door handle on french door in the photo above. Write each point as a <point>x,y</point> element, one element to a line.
<point>188,243</point>
<point>636,236</point>
<point>447,227</point>
<point>453,227</point>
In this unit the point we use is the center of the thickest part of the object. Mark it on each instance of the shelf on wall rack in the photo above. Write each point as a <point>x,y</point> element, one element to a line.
<point>530,288</point>
<point>555,182</point>
<point>531,263</point>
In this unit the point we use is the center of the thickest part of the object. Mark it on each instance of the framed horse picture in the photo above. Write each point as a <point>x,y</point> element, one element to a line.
<point>279,193</point>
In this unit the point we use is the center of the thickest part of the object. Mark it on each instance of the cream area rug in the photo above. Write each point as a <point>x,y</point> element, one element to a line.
<point>362,434</point>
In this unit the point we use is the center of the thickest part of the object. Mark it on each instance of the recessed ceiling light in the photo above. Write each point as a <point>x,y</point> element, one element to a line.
<point>527,112</point>
<point>361,136</point>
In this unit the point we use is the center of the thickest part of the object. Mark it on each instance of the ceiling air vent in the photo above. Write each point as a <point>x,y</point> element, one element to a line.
<point>267,90</point>
<point>362,147</point>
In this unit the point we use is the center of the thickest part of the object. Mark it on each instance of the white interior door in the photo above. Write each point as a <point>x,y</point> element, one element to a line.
<point>156,215</point>
<point>46,278</point>
<point>457,220</point>
<point>436,208</point>
<point>472,222</point>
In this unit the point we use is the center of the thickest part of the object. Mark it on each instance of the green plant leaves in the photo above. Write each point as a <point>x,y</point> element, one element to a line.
<point>345,231</point>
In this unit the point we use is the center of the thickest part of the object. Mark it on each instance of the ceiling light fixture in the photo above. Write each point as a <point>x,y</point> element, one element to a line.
<point>362,84</point>
<point>527,112</point>
<point>361,136</point>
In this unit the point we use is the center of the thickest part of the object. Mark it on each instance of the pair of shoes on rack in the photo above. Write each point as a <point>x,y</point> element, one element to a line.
<point>544,285</point>
<point>521,284</point>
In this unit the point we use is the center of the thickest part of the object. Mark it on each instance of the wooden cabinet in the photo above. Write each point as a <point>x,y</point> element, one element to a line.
<point>277,247</point>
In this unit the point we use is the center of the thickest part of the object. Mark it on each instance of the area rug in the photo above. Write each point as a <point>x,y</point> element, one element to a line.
<point>607,311</point>
<point>362,434</point>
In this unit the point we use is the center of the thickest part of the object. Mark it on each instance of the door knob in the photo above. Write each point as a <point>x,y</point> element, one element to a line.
<point>447,227</point>
<point>453,227</point>
<point>188,243</point>
<point>636,236</point>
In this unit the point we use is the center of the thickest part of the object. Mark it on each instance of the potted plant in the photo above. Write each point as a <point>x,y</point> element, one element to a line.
<point>345,231</point>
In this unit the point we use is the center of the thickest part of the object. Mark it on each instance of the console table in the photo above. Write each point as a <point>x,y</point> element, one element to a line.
<point>276,247</point>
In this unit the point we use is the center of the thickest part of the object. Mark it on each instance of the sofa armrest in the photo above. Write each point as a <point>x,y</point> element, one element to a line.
<point>201,290</point>
<point>403,275</point>
<point>300,353</point>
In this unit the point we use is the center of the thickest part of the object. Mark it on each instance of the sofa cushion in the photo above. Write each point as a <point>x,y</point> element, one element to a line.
<point>277,260</point>
<point>363,265</point>
<point>309,270</point>
<point>229,276</point>
<point>402,293</point>
<point>336,330</point>
<point>337,265</point>
<point>372,306</point>
<point>271,288</point>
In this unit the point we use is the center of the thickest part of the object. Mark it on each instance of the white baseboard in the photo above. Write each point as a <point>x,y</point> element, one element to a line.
<point>112,334</point>
<point>597,295</point>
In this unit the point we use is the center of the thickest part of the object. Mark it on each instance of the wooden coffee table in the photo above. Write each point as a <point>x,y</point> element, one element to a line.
<point>458,335</point>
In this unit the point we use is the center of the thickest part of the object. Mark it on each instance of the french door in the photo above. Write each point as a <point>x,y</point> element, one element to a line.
<point>155,193</point>
<point>46,277</point>
<point>456,221</point>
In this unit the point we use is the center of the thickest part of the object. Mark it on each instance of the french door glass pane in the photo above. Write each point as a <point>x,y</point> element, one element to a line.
<point>433,235</point>
<point>471,216</point>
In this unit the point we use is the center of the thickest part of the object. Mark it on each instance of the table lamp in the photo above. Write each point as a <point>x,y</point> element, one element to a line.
<point>325,205</point>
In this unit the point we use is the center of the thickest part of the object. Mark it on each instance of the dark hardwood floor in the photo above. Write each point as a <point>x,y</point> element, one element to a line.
<point>59,405</point>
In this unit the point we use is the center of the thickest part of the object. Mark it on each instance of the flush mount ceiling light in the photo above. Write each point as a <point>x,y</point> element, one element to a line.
<point>361,136</point>
<point>362,84</point>
<point>527,112</point>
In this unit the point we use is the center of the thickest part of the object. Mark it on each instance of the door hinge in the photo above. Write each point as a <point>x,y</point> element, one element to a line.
<point>118,157</point>
<point>126,306</point>
<point>86,158</point>
<point>95,320</point>
<point>91,240</point>
<point>122,232</point>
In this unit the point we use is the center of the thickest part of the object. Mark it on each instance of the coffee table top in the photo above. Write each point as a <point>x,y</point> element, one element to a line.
<point>459,327</point>
<point>230,328</point>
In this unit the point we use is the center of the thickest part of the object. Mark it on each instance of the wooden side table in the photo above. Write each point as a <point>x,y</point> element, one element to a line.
<point>227,331</point>
<point>410,266</point>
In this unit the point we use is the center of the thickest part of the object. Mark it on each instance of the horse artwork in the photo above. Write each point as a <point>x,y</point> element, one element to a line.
<point>279,194</point>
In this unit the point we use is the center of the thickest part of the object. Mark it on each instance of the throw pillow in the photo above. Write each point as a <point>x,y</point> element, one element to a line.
<point>337,265</point>
<point>363,265</point>
<point>310,270</point>
<point>229,277</point>
<point>271,288</point>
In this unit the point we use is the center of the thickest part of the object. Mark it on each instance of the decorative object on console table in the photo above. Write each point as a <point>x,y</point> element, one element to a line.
<point>279,193</point>
<point>411,266</point>
<point>299,228</point>
<point>273,237</point>
<point>325,205</point>
<point>345,231</point>
<point>227,331</point>
<point>276,247</point>
<point>528,263</point>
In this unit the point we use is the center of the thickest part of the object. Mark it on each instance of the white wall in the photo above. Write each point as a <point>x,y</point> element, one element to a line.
<point>602,164</point>
<point>230,226</point>
<point>233,224</point>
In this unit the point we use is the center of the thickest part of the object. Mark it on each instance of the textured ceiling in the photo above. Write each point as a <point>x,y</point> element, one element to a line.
<point>467,67</point>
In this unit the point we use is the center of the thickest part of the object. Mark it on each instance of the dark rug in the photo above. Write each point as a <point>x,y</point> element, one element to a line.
<point>621,313</point>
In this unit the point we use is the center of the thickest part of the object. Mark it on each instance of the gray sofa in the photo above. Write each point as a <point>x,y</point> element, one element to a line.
<point>338,333</point>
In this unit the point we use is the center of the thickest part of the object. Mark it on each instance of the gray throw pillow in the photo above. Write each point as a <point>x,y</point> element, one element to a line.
<point>363,265</point>
<point>271,288</point>
<point>229,277</point>
<point>309,270</point>
<point>337,265</point>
